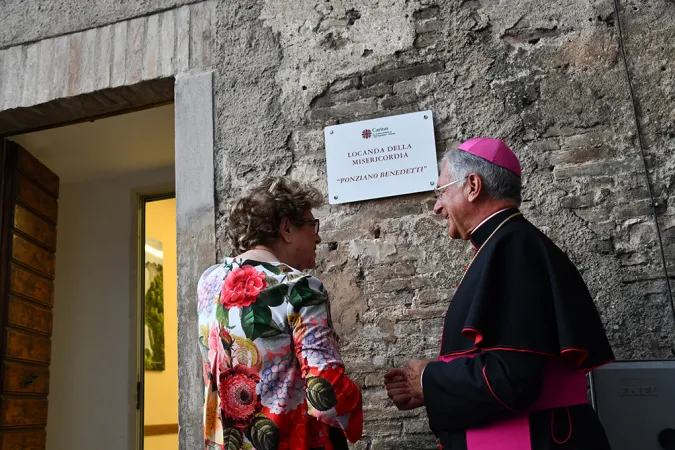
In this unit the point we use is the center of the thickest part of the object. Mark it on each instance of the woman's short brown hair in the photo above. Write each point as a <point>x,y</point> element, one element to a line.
<point>254,218</point>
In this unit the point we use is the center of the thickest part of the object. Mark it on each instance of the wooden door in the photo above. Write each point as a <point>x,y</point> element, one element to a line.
<point>29,194</point>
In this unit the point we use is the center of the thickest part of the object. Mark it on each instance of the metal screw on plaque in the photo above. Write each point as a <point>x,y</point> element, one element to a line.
<point>431,183</point>
<point>335,197</point>
<point>331,131</point>
<point>426,117</point>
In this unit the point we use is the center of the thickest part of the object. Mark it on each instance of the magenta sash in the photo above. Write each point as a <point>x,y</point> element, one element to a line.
<point>561,387</point>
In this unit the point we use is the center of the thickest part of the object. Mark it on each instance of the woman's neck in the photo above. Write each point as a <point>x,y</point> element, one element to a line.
<point>260,253</point>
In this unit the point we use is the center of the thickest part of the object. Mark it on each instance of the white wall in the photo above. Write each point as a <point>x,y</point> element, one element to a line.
<point>92,387</point>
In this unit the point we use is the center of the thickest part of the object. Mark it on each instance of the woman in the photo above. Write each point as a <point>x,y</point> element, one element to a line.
<point>272,371</point>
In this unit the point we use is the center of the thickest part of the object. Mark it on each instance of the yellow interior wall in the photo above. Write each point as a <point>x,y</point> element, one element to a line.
<point>161,387</point>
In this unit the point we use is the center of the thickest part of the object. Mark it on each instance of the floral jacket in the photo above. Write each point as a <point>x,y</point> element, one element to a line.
<point>273,378</point>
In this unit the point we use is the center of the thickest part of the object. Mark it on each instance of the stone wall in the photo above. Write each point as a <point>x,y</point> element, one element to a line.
<point>549,79</point>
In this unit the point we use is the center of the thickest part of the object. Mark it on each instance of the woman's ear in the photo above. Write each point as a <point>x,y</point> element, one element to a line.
<point>285,228</point>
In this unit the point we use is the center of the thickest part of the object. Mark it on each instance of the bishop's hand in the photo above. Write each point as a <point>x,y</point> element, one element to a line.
<point>404,385</point>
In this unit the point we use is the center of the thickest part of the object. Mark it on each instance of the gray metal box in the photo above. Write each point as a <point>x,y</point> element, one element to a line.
<point>635,401</point>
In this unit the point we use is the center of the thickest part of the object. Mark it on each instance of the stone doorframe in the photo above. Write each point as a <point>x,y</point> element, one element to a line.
<point>118,68</point>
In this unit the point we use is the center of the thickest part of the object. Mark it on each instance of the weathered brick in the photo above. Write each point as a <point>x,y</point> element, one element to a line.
<point>405,73</point>
<point>330,99</point>
<point>428,26</point>
<point>578,201</point>
<point>382,428</point>
<point>396,270</point>
<point>594,138</point>
<point>633,259</point>
<point>434,297</point>
<point>546,145</point>
<point>395,101</point>
<point>562,172</point>
<point>594,215</point>
<point>424,40</point>
<point>583,154</point>
<point>415,426</point>
<point>423,313</point>
<point>344,85</point>
<point>633,209</point>
<point>367,106</point>
<point>427,13</point>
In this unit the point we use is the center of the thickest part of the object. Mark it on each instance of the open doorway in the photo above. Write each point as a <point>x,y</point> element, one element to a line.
<point>105,171</point>
<point>159,404</point>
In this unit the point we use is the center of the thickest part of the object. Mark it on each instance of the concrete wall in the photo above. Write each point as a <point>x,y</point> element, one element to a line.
<point>161,387</point>
<point>92,387</point>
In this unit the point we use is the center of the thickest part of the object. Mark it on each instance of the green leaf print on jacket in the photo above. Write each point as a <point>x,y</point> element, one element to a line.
<point>256,320</point>
<point>320,393</point>
<point>302,295</point>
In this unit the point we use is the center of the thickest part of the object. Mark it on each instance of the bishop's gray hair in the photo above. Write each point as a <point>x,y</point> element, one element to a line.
<point>499,183</point>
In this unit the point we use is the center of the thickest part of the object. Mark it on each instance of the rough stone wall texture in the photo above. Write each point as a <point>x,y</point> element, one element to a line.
<point>548,78</point>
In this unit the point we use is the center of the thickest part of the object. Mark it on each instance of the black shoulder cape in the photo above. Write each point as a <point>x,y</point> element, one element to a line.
<point>522,293</point>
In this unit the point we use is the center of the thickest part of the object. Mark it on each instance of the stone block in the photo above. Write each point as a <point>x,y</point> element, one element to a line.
<point>12,86</point>
<point>104,58</point>
<point>182,52</point>
<point>74,63</point>
<point>167,25</point>
<point>46,70</point>
<point>29,88</point>
<point>135,47</point>
<point>119,67</point>
<point>405,73</point>
<point>90,52</point>
<point>151,51</point>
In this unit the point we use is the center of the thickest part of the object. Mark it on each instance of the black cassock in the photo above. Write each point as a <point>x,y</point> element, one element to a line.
<point>521,303</point>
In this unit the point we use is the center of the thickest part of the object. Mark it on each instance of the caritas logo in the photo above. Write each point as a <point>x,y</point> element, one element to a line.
<point>366,134</point>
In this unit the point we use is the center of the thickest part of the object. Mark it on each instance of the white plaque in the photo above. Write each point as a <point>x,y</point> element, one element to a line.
<point>381,157</point>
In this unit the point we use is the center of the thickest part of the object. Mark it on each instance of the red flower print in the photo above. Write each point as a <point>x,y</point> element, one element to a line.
<point>218,359</point>
<point>242,286</point>
<point>238,398</point>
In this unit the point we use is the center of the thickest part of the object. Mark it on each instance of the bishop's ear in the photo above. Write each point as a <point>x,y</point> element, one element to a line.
<point>474,186</point>
<point>285,228</point>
